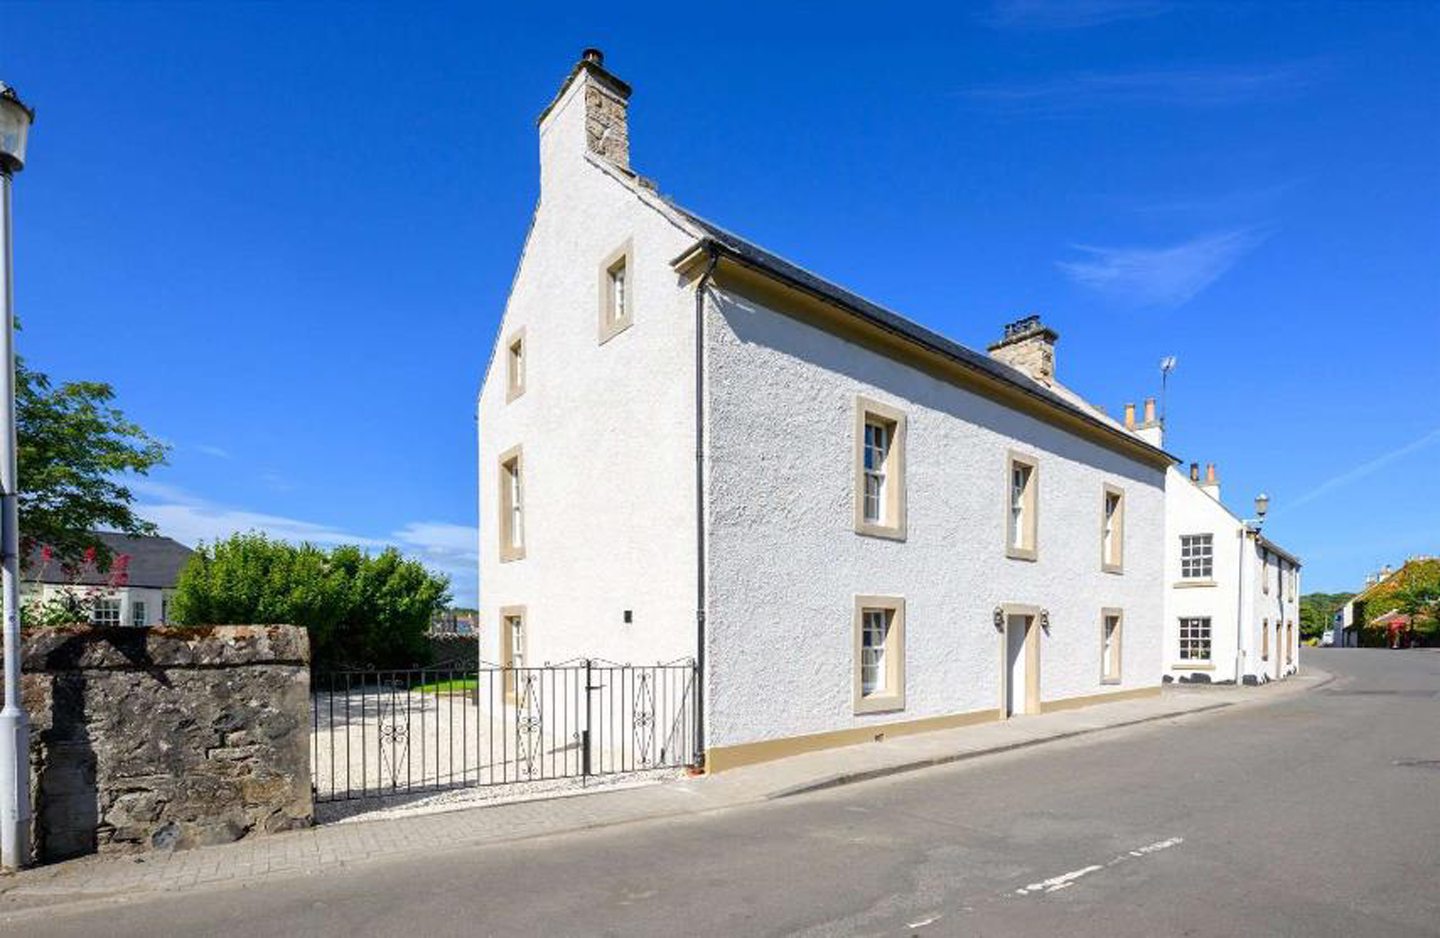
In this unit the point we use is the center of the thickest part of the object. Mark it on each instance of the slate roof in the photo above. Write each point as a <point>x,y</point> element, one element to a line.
<point>154,562</point>
<point>752,254</point>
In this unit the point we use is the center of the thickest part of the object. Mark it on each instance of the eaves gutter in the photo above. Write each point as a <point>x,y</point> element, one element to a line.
<point>1124,442</point>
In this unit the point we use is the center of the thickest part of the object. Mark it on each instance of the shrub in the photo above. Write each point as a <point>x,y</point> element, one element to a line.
<point>361,611</point>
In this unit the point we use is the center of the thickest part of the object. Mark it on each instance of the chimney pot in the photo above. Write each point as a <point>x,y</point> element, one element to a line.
<point>1149,410</point>
<point>1028,347</point>
<point>1194,472</point>
<point>1210,473</point>
<point>1130,416</point>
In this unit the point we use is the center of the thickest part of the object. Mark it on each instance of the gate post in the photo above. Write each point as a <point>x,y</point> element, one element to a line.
<point>585,733</point>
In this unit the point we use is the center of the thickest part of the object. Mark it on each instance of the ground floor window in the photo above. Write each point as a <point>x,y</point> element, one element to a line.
<point>106,612</point>
<point>138,613</point>
<point>1195,639</point>
<point>1289,642</point>
<point>1265,640</point>
<point>879,653</point>
<point>1110,624</point>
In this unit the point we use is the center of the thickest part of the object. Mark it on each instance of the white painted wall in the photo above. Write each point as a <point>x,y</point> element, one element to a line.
<point>154,599</point>
<point>1191,510</point>
<point>1236,592</point>
<point>607,430</point>
<point>786,564</point>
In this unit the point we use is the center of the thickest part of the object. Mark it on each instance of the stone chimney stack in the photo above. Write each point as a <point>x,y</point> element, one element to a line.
<point>1029,347</point>
<point>1211,485</point>
<point>1149,429</point>
<point>1129,416</point>
<point>588,115</point>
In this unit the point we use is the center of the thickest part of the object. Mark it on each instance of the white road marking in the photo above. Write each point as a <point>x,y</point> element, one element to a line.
<point>1066,880</point>
<point>1058,882</point>
<point>923,922</point>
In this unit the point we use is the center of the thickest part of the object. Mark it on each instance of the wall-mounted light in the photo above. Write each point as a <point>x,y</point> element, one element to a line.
<point>999,615</point>
<point>1045,619</point>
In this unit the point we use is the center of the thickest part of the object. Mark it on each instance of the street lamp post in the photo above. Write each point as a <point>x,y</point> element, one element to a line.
<point>15,121</point>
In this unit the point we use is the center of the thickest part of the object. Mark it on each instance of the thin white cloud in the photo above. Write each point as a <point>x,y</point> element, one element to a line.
<point>446,548</point>
<point>1201,87</point>
<point>1069,14</point>
<point>1364,469</point>
<point>216,451</point>
<point>1165,276</point>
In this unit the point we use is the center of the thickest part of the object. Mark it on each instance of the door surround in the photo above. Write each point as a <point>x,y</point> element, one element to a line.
<point>1031,615</point>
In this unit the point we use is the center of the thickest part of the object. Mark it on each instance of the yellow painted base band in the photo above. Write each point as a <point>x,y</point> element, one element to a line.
<point>722,758</point>
<point>1075,703</point>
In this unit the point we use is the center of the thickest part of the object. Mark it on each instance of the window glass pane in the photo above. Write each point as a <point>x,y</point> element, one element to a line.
<point>874,631</point>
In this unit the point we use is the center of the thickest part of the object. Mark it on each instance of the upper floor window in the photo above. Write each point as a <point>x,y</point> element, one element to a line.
<point>879,469</point>
<point>1197,557</point>
<point>1112,531</point>
<point>1265,570</point>
<point>617,294</point>
<point>512,505</point>
<point>515,366</point>
<point>1022,504</point>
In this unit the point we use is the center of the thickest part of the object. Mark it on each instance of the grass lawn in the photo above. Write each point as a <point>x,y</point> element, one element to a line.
<point>458,685</point>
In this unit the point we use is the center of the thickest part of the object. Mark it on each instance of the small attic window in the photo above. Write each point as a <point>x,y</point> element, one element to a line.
<point>515,353</point>
<point>617,294</point>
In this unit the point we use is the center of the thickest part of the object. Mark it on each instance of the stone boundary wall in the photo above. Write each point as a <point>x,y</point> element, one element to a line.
<point>166,737</point>
<point>459,652</point>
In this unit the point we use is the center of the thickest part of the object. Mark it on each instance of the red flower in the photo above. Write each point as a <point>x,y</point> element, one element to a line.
<point>89,555</point>
<point>47,553</point>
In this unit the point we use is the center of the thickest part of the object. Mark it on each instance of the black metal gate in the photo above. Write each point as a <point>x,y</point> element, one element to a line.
<point>378,733</point>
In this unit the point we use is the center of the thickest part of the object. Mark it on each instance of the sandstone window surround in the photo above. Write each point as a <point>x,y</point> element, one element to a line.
<point>879,454</point>
<point>1265,569</point>
<point>1265,640</point>
<point>879,665</point>
<point>1111,644</point>
<point>513,635</point>
<point>1112,530</point>
<point>512,505</point>
<point>1022,527</point>
<point>617,293</point>
<point>515,361</point>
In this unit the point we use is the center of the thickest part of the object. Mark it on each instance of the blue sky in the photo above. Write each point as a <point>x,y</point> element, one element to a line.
<point>285,233</point>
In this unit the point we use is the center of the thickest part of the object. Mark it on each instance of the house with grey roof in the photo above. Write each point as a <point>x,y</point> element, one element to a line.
<point>692,448</point>
<point>134,590</point>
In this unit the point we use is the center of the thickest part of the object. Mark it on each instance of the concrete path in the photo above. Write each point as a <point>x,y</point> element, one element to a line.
<point>325,849</point>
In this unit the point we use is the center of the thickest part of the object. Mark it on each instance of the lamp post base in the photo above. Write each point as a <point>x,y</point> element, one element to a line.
<point>14,789</point>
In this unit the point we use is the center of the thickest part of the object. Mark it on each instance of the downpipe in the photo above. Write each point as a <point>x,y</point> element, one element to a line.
<point>698,757</point>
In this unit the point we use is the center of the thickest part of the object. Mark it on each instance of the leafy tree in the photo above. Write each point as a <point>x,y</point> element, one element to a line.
<point>361,610</point>
<point>74,448</point>
<point>1317,612</point>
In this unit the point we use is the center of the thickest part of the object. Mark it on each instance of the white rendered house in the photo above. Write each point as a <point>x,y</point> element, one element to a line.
<point>690,447</point>
<point>135,592</point>
<point>1232,603</point>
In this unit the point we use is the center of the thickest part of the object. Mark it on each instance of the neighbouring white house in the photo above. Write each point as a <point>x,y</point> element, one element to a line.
<point>135,591</point>
<point>1232,602</point>
<point>690,447</point>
